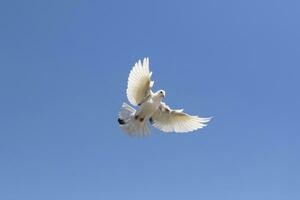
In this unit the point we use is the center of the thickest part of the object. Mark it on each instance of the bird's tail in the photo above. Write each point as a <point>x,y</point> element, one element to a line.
<point>130,123</point>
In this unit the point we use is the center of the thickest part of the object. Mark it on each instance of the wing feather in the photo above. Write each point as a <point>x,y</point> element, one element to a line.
<point>139,82</point>
<point>169,120</point>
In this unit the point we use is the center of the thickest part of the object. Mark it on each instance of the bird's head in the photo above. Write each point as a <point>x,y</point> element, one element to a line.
<point>161,93</point>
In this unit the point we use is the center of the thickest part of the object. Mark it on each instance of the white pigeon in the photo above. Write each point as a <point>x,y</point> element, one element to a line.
<point>151,107</point>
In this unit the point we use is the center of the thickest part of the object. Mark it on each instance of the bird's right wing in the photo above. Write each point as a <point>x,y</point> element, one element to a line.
<point>139,83</point>
<point>169,120</point>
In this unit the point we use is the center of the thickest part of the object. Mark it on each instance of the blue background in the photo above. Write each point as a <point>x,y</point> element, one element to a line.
<point>63,74</point>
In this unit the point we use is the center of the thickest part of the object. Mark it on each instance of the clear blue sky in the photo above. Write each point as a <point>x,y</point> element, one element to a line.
<point>63,73</point>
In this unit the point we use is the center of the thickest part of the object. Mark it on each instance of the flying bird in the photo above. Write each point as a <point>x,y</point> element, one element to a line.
<point>151,108</point>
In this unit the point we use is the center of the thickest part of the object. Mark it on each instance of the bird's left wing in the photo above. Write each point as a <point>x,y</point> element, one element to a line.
<point>139,83</point>
<point>169,120</point>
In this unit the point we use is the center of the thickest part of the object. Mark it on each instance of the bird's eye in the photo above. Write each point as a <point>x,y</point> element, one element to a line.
<point>161,92</point>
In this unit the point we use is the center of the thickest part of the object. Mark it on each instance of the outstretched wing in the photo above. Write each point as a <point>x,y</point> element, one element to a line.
<point>139,83</point>
<point>169,120</point>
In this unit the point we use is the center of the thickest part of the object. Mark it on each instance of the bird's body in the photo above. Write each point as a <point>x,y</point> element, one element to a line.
<point>148,108</point>
<point>151,107</point>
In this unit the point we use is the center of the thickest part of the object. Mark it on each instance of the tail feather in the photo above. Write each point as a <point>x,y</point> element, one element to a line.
<point>130,124</point>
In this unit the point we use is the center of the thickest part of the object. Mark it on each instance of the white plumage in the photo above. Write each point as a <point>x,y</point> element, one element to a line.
<point>139,82</point>
<point>151,108</point>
